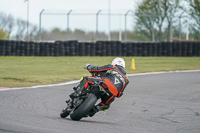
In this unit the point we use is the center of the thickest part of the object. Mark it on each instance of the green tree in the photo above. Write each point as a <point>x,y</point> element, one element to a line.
<point>4,35</point>
<point>194,12</point>
<point>155,17</point>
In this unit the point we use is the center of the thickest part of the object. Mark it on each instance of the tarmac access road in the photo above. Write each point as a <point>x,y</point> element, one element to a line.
<point>152,103</point>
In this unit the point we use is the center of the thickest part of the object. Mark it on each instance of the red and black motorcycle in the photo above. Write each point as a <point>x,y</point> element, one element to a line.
<point>81,102</point>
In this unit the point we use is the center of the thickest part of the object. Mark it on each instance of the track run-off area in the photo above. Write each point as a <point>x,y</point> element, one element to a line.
<point>160,102</point>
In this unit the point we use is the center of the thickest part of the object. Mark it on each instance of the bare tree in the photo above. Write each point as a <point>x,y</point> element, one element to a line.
<point>33,31</point>
<point>7,23</point>
<point>3,20</point>
<point>21,28</point>
<point>10,24</point>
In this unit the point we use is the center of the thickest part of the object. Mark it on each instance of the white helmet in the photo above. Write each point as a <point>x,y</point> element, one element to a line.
<point>119,61</point>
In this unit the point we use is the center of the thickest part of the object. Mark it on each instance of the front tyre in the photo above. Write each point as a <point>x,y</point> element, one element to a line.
<point>84,108</point>
<point>64,113</point>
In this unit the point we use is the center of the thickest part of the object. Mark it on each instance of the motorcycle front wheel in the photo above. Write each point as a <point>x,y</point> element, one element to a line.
<point>84,108</point>
<point>64,113</point>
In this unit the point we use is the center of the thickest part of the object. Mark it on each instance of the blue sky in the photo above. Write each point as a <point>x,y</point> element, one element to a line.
<point>18,9</point>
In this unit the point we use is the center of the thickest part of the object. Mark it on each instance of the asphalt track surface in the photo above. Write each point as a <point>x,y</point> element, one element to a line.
<point>155,103</point>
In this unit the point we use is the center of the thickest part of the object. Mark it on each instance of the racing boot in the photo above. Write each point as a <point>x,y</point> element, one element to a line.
<point>97,108</point>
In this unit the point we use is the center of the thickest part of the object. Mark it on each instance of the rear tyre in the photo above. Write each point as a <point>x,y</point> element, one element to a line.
<point>64,113</point>
<point>84,108</point>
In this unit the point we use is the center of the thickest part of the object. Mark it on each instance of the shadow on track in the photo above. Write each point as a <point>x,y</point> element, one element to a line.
<point>91,121</point>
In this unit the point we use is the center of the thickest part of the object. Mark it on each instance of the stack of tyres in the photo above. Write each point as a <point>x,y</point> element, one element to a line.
<point>114,48</point>
<point>73,48</point>
<point>129,48</point>
<point>154,49</point>
<point>134,49</point>
<point>164,46</point>
<point>190,48</point>
<point>22,49</point>
<point>13,48</point>
<point>149,49</point>
<point>159,49</point>
<point>198,49</point>
<point>103,48</point>
<point>144,49</point>
<point>179,49</point>
<point>61,49</point>
<point>56,48</point>
<point>139,49</point>
<point>32,49</point>
<point>98,48</point>
<point>76,44</point>
<point>174,49</point>
<point>2,48</point>
<point>108,48</point>
<point>195,49</point>
<point>42,48</point>
<point>27,48</point>
<point>37,49</point>
<point>93,49</point>
<point>119,49</point>
<point>87,49</point>
<point>184,48</point>
<point>51,49</point>
<point>82,49</point>
<point>7,48</point>
<point>47,50</point>
<point>124,49</point>
<point>17,50</point>
<point>66,47</point>
<point>193,45</point>
<point>169,49</point>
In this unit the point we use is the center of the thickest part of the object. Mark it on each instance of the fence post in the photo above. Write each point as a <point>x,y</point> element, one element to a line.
<point>40,25</point>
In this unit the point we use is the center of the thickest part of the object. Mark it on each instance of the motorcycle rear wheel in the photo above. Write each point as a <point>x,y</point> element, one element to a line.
<point>84,108</point>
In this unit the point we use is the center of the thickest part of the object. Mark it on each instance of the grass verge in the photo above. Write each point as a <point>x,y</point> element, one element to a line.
<point>30,71</point>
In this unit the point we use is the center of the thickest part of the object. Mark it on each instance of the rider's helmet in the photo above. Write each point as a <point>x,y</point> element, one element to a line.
<point>119,61</point>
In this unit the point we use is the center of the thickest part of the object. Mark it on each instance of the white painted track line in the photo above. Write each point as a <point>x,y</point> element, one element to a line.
<point>76,81</point>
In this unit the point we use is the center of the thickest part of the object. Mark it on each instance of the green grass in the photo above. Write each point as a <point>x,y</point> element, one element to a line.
<point>30,71</point>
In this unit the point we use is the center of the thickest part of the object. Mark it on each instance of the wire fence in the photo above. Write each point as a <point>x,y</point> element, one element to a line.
<point>95,21</point>
<point>115,25</point>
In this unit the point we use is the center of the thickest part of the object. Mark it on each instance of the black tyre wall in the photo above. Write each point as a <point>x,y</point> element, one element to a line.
<point>99,48</point>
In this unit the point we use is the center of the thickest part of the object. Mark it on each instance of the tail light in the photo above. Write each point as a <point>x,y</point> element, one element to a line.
<point>104,85</point>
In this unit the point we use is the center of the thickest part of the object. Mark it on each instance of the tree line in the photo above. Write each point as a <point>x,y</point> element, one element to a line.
<point>168,20</point>
<point>15,29</point>
<point>155,20</point>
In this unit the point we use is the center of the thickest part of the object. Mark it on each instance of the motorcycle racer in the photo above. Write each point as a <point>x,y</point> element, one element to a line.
<point>113,75</point>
